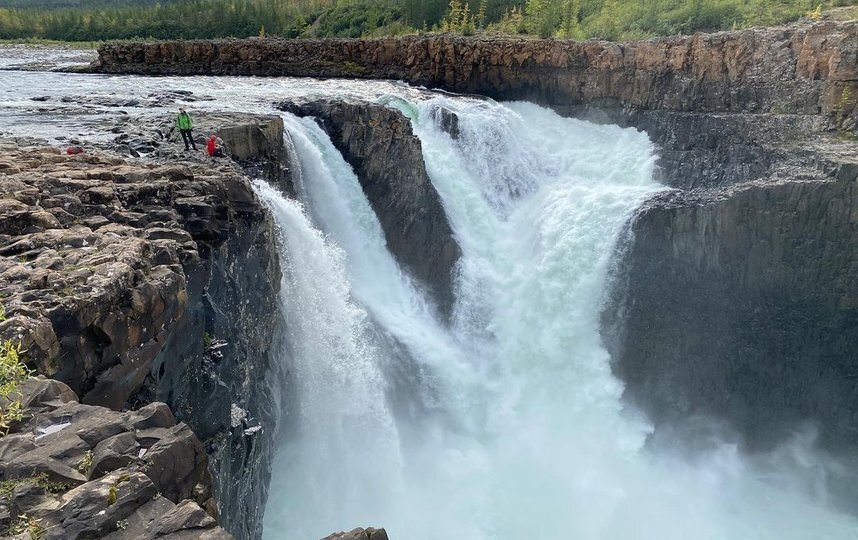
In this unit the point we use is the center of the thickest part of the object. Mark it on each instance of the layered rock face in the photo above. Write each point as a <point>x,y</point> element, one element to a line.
<point>387,158</point>
<point>795,69</point>
<point>138,282</point>
<point>742,305</point>
<point>359,534</point>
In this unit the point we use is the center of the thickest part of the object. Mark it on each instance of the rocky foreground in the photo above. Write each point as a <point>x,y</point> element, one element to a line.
<point>139,291</point>
<point>92,283</point>
<point>135,281</point>
<point>78,471</point>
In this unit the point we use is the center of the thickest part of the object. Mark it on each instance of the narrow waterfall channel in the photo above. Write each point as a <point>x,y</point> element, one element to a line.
<point>508,422</point>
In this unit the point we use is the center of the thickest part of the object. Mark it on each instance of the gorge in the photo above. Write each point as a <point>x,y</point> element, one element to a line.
<point>455,317</point>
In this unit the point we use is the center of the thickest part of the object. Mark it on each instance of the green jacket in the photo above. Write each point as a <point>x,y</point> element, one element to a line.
<point>183,121</point>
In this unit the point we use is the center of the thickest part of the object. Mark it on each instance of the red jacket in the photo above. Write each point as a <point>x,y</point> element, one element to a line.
<point>211,145</point>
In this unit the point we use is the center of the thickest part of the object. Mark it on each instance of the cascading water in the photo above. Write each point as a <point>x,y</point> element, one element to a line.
<point>511,424</point>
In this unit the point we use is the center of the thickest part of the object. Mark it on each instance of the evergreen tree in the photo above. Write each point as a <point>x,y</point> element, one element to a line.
<point>570,27</point>
<point>481,15</point>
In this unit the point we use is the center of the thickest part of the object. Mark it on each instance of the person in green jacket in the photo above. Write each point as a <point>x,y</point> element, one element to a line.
<point>185,125</point>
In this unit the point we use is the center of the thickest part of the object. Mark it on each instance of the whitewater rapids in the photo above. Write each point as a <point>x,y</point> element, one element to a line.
<point>508,422</point>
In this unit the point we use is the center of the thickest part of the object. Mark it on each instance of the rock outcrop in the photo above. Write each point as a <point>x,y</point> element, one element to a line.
<point>387,158</point>
<point>70,470</point>
<point>359,534</point>
<point>741,304</point>
<point>800,68</point>
<point>135,282</point>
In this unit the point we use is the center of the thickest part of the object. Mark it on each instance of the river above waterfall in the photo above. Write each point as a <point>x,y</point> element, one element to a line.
<point>508,420</point>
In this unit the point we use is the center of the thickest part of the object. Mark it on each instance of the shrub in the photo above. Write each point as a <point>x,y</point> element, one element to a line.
<point>13,373</point>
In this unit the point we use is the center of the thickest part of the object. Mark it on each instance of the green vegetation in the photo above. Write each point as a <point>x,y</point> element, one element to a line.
<point>76,20</point>
<point>25,524</point>
<point>13,373</point>
<point>7,487</point>
<point>85,463</point>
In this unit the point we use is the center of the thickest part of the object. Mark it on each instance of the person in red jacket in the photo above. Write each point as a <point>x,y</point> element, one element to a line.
<point>214,146</point>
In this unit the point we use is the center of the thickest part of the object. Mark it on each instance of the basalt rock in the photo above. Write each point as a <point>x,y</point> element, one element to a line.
<point>800,68</point>
<point>741,305</point>
<point>57,486</point>
<point>117,277</point>
<point>254,141</point>
<point>359,534</point>
<point>379,144</point>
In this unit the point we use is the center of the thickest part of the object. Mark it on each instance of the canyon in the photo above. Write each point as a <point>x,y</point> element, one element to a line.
<point>131,283</point>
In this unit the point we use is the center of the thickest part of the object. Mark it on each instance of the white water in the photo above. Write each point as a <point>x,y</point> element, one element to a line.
<point>512,424</point>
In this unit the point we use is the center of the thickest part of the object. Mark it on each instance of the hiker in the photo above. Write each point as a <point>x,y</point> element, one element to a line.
<point>185,125</point>
<point>214,146</point>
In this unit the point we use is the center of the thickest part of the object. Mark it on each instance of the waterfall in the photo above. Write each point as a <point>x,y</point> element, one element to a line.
<point>507,422</point>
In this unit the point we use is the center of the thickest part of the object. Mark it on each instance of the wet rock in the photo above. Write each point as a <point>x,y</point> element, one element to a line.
<point>399,189</point>
<point>359,534</point>
<point>740,305</point>
<point>447,120</point>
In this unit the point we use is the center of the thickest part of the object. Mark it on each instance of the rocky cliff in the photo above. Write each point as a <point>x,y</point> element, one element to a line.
<point>802,69</point>
<point>742,305</point>
<point>134,282</point>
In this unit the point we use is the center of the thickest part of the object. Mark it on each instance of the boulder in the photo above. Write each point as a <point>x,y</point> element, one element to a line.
<point>359,534</point>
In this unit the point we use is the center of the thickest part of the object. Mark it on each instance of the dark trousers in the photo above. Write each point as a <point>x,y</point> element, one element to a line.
<point>188,138</point>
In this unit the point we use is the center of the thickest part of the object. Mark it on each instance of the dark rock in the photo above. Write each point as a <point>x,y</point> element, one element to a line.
<point>153,415</point>
<point>26,497</point>
<point>186,515</point>
<point>741,305</point>
<point>94,509</point>
<point>113,453</point>
<point>176,463</point>
<point>447,120</point>
<point>39,392</point>
<point>359,534</point>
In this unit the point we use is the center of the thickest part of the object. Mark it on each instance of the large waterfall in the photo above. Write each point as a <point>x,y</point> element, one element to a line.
<point>505,422</point>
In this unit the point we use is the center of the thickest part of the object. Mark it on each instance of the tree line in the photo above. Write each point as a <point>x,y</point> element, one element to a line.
<point>579,19</point>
